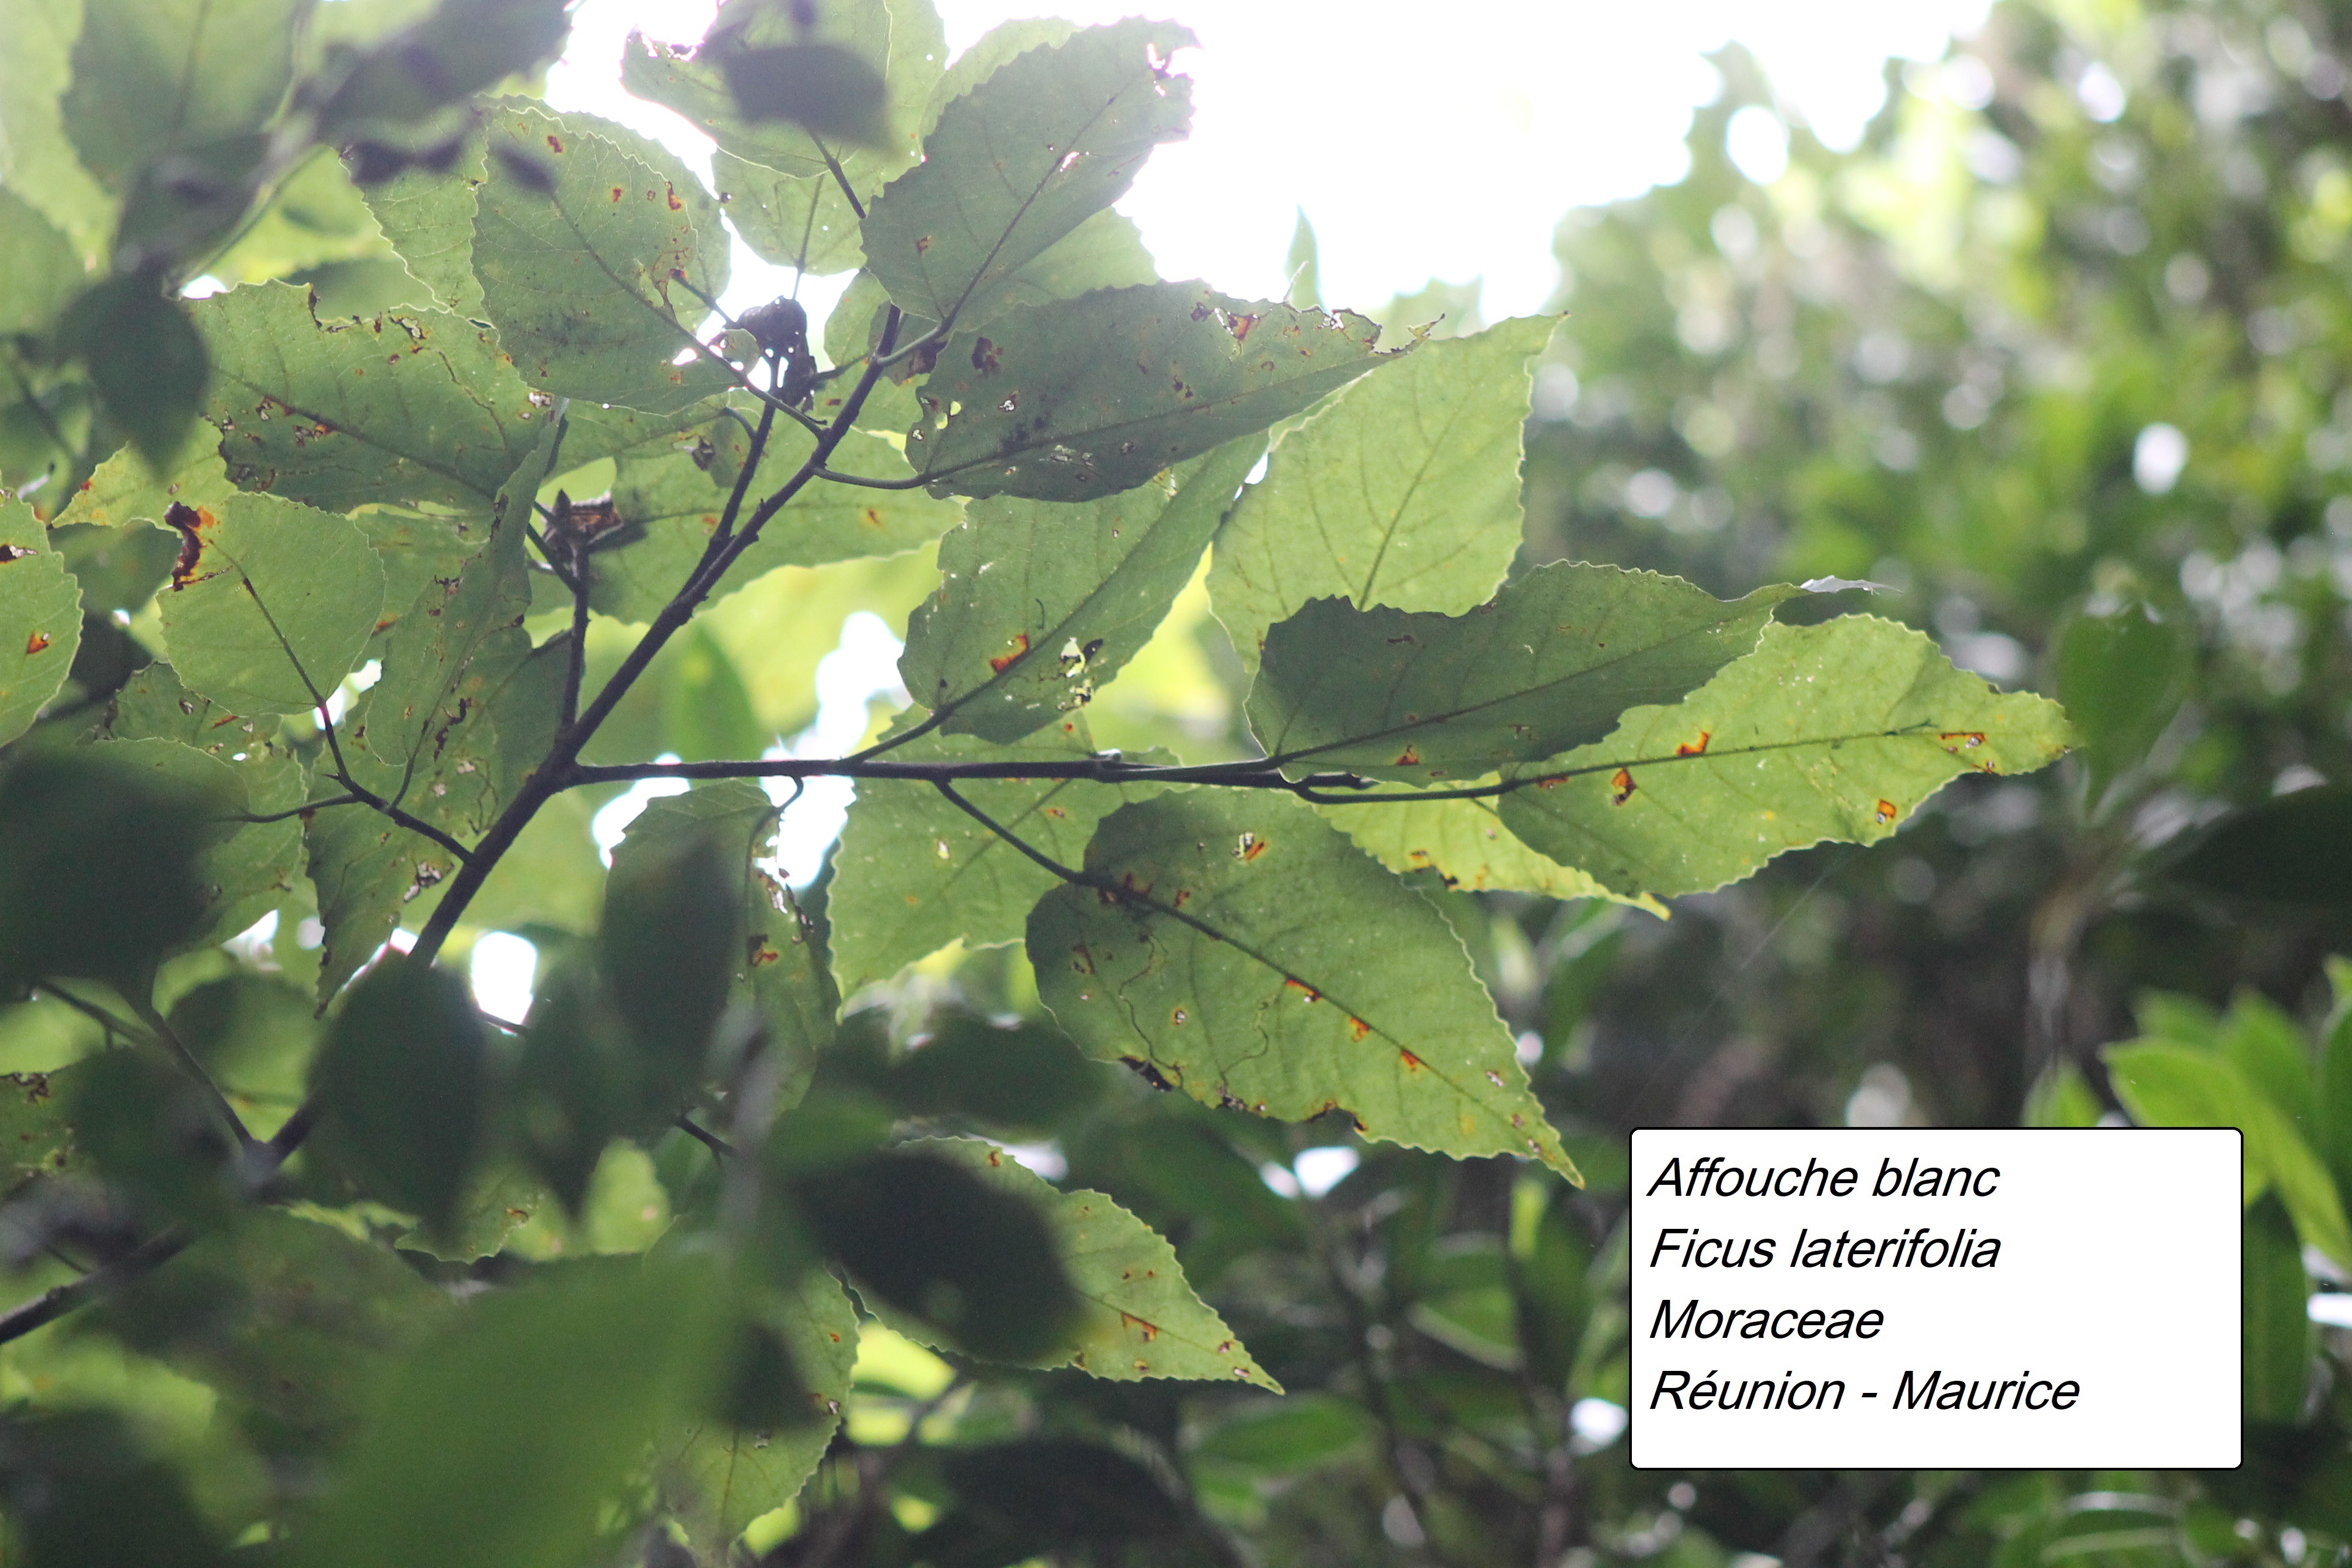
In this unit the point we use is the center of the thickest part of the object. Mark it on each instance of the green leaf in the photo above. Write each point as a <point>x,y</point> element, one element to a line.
<point>145,360</point>
<point>923,1234</point>
<point>678,505</point>
<point>1140,1318</point>
<point>2269,1049</point>
<point>491,1207</point>
<point>1550,663</point>
<point>2292,849</point>
<point>1187,952</point>
<point>780,966</point>
<point>2278,1336</point>
<point>1403,492</point>
<point>255,1034</point>
<point>520,1421</point>
<point>462,630</point>
<point>98,865</point>
<point>1022,1078</point>
<point>918,874</point>
<point>271,607</point>
<point>293,1320</point>
<point>243,870</point>
<point>400,1081</point>
<point>718,1478</point>
<point>1830,731</point>
<point>43,268</point>
<point>802,221</point>
<point>36,1139</point>
<point>413,406</point>
<point>1089,397</point>
<point>2122,677</point>
<point>1284,1438</point>
<point>826,90</point>
<point>1041,603</point>
<point>901,41</point>
<point>41,619</point>
<point>37,160</point>
<point>1466,845</point>
<point>463,47</point>
<point>123,490</point>
<point>2165,1085</point>
<point>80,1492</point>
<point>495,720</point>
<point>154,76</point>
<point>673,931</point>
<point>576,234</point>
<point>710,712</point>
<point>996,48</point>
<point>1301,266</point>
<point>1054,136</point>
<point>428,213</point>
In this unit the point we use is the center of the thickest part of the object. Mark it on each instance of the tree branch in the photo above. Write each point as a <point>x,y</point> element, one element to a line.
<point>58,1300</point>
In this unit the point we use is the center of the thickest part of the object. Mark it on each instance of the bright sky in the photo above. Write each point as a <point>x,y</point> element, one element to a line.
<point>1422,140</point>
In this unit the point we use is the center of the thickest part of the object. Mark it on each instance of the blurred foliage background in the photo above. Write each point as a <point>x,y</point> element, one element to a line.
<point>2060,355</point>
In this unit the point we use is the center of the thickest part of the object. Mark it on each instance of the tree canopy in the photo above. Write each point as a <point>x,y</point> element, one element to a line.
<point>1181,1119</point>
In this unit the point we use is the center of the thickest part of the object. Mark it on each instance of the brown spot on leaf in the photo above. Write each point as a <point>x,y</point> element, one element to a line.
<point>38,642</point>
<point>1697,748</point>
<point>1150,1330</point>
<point>1970,740</point>
<point>617,192</point>
<point>1020,646</point>
<point>1884,813</point>
<point>1411,1063</point>
<point>191,522</point>
<point>985,358</point>
<point>1358,1028</point>
<point>555,142</point>
<point>670,192</point>
<point>1408,758</point>
<point>1621,786</point>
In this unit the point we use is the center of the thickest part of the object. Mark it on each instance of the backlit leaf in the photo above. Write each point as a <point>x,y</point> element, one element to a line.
<point>802,221</point>
<point>416,407</point>
<point>1548,664</point>
<point>1205,948</point>
<point>1089,397</point>
<point>154,76</point>
<point>1141,1319</point>
<point>428,216</point>
<point>270,603</point>
<point>402,1081</point>
<point>99,863</point>
<point>147,362</point>
<point>1052,138</point>
<point>1042,603</point>
<point>37,160</point>
<point>780,967</point>
<point>826,90</point>
<point>576,234</point>
<point>244,870</point>
<point>899,41</point>
<point>1830,731</point>
<point>41,619</point>
<point>1466,845</point>
<point>517,1422</point>
<point>42,267</point>
<point>1404,491</point>
<point>718,1478</point>
<point>678,504</point>
<point>920,874</point>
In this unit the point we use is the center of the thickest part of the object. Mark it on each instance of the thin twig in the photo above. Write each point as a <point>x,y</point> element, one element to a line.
<point>1006,834</point>
<point>873,1475</point>
<point>913,481</point>
<point>108,1021</point>
<point>58,1300</point>
<point>308,806</point>
<point>704,1136</point>
<point>169,1037</point>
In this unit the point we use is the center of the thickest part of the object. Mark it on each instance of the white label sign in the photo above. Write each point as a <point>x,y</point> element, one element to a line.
<point>1913,1299</point>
